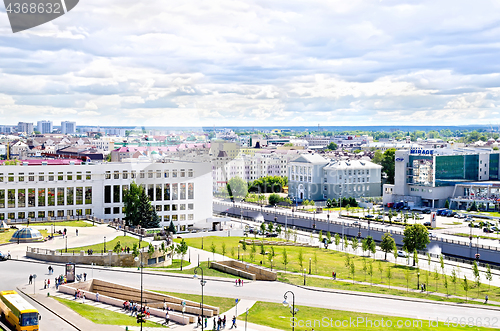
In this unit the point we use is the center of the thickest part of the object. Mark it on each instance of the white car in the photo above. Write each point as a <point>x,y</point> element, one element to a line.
<point>402,254</point>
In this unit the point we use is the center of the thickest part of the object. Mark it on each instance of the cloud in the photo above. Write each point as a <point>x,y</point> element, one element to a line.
<point>247,61</point>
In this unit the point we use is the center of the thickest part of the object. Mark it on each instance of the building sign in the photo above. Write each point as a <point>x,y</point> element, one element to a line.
<point>422,151</point>
<point>399,159</point>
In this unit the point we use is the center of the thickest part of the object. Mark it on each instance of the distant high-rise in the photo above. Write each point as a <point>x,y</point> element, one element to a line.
<point>68,127</point>
<point>44,126</point>
<point>25,127</point>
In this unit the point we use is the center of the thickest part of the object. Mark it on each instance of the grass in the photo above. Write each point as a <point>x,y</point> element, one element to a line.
<point>474,236</point>
<point>124,241</point>
<point>103,316</point>
<point>276,316</point>
<point>224,304</point>
<point>5,236</point>
<point>327,261</point>
<point>453,223</point>
<point>177,264</point>
<point>206,271</point>
<point>329,283</point>
<point>80,224</point>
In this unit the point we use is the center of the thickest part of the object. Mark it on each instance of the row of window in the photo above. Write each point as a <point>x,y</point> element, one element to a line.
<point>43,176</point>
<point>155,192</point>
<point>43,214</point>
<point>150,174</point>
<point>31,197</point>
<point>181,217</point>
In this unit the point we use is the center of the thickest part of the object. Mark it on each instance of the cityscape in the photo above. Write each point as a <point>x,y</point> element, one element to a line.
<point>248,165</point>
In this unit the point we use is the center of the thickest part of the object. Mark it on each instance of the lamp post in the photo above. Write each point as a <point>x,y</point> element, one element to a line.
<point>238,252</point>
<point>309,266</point>
<point>66,249</point>
<point>201,242</point>
<point>246,317</point>
<point>286,304</point>
<point>202,283</point>
<point>104,250</point>
<point>271,264</point>
<point>304,276</point>
<point>418,280</point>
<point>140,265</point>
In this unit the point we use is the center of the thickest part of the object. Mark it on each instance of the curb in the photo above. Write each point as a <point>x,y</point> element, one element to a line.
<point>53,312</point>
<point>392,297</point>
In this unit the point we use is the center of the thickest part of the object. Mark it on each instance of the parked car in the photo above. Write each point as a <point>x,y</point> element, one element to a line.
<point>356,223</point>
<point>494,228</point>
<point>487,230</point>
<point>420,216</point>
<point>427,223</point>
<point>427,211</point>
<point>369,216</point>
<point>3,257</point>
<point>380,217</point>
<point>402,254</point>
<point>271,235</point>
<point>406,208</point>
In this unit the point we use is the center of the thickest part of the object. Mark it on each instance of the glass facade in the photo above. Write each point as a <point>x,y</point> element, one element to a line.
<point>494,158</point>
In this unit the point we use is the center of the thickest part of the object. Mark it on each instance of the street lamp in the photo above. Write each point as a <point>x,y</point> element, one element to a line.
<point>309,266</point>
<point>304,276</point>
<point>286,304</point>
<point>104,250</point>
<point>141,265</point>
<point>271,264</point>
<point>202,283</point>
<point>418,280</point>
<point>238,252</point>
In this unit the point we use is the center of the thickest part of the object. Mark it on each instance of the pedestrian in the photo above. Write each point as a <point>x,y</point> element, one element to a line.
<point>234,323</point>
<point>147,311</point>
<point>199,321</point>
<point>64,231</point>
<point>164,305</point>
<point>486,299</point>
<point>167,318</point>
<point>83,297</point>
<point>97,296</point>
<point>77,232</point>
<point>242,282</point>
<point>48,283</point>
<point>76,294</point>
<point>8,255</point>
<point>236,282</point>
<point>218,323</point>
<point>206,322</point>
<point>44,284</point>
<point>215,324</point>
<point>224,322</point>
<point>31,279</point>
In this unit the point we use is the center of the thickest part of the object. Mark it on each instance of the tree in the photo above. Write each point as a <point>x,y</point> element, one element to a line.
<point>387,244</point>
<point>488,276</point>
<point>347,260</point>
<point>223,249</point>
<point>407,277</point>
<point>270,227</point>
<point>253,250</point>
<point>354,244</point>
<point>447,204</point>
<point>390,215</point>
<point>365,267</point>
<point>369,244</point>
<point>473,207</point>
<point>118,247</point>
<point>278,230</point>
<point>332,146</point>
<point>352,269</point>
<point>131,205</point>
<point>315,260</point>
<point>454,279</point>
<point>337,240</point>
<point>232,252</point>
<point>301,259</point>
<point>380,269</point>
<point>285,258</point>
<point>171,228</point>
<point>388,164</point>
<point>370,271</point>
<point>182,249</point>
<point>395,253</point>
<point>329,237</point>
<point>415,258</point>
<point>445,283</point>
<point>465,285</point>
<point>213,249</point>
<point>237,187</point>
<point>428,271</point>
<point>320,236</point>
<point>263,228</point>
<point>477,276</point>
<point>274,199</point>
<point>436,277</point>
<point>416,236</point>
<point>389,275</point>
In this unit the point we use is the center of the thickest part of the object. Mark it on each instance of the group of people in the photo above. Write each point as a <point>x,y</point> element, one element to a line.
<point>334,275</point>
<point>80,295</point>
<point>134,308</point>
<point>219,323</point>
<point>239,282</point>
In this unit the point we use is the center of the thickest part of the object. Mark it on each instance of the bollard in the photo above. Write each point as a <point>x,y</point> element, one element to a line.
<point>48,294</point>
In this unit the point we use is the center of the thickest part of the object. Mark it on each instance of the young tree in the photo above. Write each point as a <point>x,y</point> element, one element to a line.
<point>278,230</point>
<point>380,269</point>
<point>285,258</point>
<point>389,275</point>
<point>365,266</point>
<point>345,242</point>
<point>329,237</point>
<point>352,269</point>
<point>387,244</point>
<point>407,277</point>
<point>354,244</point>
<point>270,227</point>
<point>213,249</point>
<point>315,260</point>
<point>370,271</point>
<point>445,283</point>
<point>131,205</point>
<point>416,236</point>
<point>320,236</point>
<point>436,277</point>
<point>477,276</point>
<point>415,258</point>
<point>118,247</point>
<point>171,228</point>
<point>466,287</point>
<point>454,279</point>
<point>182,249</point>
<point>274,199</point>
<point>428,272</point>
<point>263,228</point>
<point>253,250</point>
<point>347,260</point>
<point>489,276</point>
<point>441,262</point>
<point>223,249</point>
<point>390,215</point>
<point>337,240</point>
<point>232,252</point>
<point>395,253</point>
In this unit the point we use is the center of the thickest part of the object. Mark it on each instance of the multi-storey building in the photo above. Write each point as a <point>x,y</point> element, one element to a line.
<point>44,126</point>
<point>179,191</point>
<point>68,127</point>
<point>313,177</point>
<point>25,127</point>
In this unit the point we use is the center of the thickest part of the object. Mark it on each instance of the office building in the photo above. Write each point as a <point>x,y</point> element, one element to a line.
<point>25,127</point>
<point>44,127</point>
<point>68,127</point>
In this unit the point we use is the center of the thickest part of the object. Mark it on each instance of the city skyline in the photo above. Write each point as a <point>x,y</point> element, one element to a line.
<point>245,62</point>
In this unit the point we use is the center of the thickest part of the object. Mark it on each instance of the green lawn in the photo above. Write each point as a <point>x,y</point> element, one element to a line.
<point>5,236</point>
<point>277,316</point>
<point>177,264</point>
<point>80,224</point>
<point>224,304</point>
<point>204,266</point>
<point>466,235</point>
<point>103,316</point>
<point>124,241</point>
<point>327,261</point>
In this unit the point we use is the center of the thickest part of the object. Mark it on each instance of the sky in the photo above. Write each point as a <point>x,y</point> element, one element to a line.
<point>241,63</point>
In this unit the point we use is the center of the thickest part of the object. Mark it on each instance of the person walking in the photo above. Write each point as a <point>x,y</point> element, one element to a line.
<point>83,297</point>
<point>44,284</point>
<point>486,299</point>
<point>48,283</point>
<point>97,296</point>
<point>77,232</point>
<point>31,279</point>
<point>234,323</point>
<point>84,276</point>
<point>224,322</point>
<point>167,318</point>
<point>199,321</point>
<point>206,322</point>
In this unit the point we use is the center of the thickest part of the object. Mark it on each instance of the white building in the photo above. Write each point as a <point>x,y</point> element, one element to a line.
<point>313,177</point>
<point>68,127</point>
<point>179,191</point>
<point>25,127</point>
<point>44,127</point>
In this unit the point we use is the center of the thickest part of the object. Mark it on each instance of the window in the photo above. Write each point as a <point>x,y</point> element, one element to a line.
<point>107,194</point>
<point>116,175</point>
<point>1,178</point>
<point>31,177</point>
<point>11,177</point>
<point>107,175</point>
<point>41,177</point>
<point>190,206</point>
<point>41,197</point>
<point>150,173</point>
<point>182,217</point>
<point>183,191</point>
<point>41,214</point>
<point>50,213</point>
<point>158,208</point>
<point>166,218</point>
<point>88,211</point>
<point>88,175</point>
<point>158,192</point>
<point>88,195</point>
<point>79,195</point>
<point>70,176</point>
<point>183,172</point>
<point>190,172</point>
<point>151,188</point>
<point>11,215</point>
<point>133,174</point>
<point>191,191</point>
<point>116,193</point>
<point>124,191</point>
<point>174,207</point>
<point>167,173</point>
<point>60,213</point>
<point>125,175</point>
<point>21,177</point>
<point>51,176</point>
<point>182,207</point>
<point>190,217</point>
<point>116,210</point>
<point>142,174</point>
<point>60,176</point>
<point>166,207</point>
<point>21,198</point>
<point>78,175</point>
<point>60,196</point>
<point>174,173</point>
<point>20,215</point>
<point>107,211</point>
<point>158,173</point>
<point>51,197</point>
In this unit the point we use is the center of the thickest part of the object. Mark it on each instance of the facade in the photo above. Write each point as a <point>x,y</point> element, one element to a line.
<point>44,127</point>
<point>68,127</point>
<point>25,127</point>
<point>313,177</point>
<point>429,177</point>
<point>179,191</point>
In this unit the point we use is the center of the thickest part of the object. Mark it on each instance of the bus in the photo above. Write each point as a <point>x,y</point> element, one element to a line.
<point>18,312</point>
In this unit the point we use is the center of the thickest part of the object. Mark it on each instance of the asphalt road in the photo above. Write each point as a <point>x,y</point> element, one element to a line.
<point>18,272</point>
